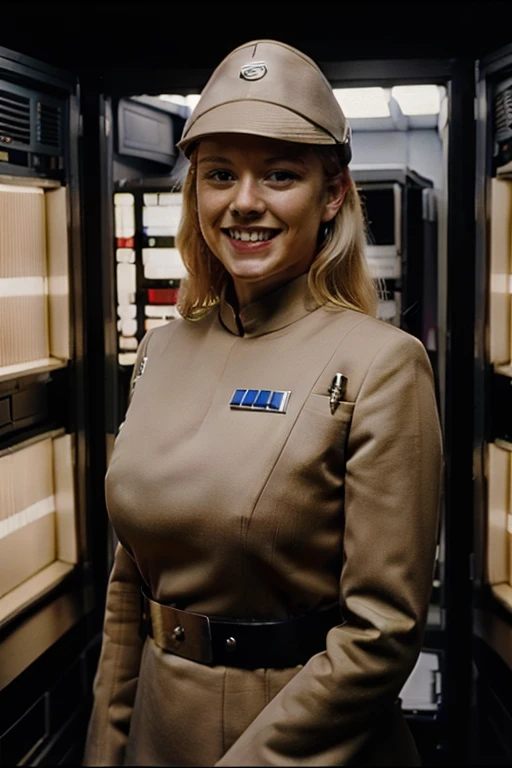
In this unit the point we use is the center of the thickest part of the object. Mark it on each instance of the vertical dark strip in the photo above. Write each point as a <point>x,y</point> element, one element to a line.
<point>108,269</point>
<point>459,411</point>
<point>78,324</point>
<point>92,174</point>
<point>482,291</point>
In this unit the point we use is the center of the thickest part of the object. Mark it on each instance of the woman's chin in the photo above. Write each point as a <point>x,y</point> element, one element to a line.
<point>250,271</point>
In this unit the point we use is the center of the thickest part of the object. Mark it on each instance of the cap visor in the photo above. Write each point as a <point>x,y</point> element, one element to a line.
<point>258,118</point>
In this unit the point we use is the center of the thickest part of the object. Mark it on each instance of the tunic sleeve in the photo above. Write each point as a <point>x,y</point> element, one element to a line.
<point>116,678</point>
<point>330,713</point>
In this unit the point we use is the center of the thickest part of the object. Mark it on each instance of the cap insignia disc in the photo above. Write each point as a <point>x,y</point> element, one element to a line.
<point>253,70</point>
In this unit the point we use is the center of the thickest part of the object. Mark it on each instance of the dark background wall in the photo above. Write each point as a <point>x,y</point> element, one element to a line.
<point>149,34</point>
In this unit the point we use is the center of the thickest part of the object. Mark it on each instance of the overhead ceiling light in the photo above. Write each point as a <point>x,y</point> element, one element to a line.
<point>189,100</point>
<point>417,99</point>
<point>362,102</point>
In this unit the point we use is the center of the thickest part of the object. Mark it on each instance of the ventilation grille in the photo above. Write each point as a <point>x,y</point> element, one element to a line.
<point>503,114</point>
<point>48,125</point>
<point>14,117</point>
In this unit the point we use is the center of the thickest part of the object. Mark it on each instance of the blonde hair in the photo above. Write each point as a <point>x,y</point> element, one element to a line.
<point>338,278</point>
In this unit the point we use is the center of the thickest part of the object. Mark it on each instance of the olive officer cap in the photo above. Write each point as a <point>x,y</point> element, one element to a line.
<point>268,88</point>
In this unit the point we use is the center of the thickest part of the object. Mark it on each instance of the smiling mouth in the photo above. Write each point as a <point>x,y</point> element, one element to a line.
<point>255,235</point>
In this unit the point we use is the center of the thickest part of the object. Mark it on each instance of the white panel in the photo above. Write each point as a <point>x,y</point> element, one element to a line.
<point>124,221</point>
<point>25,551</point>
<point>24,517</point>
<point>500,243</point>
<point>23,274</point>
<point>24,336</point>
<point>67,549</point>
<point>125,255</point>
<point>157,215</point>
<point>163,263</point>
<point>27,513</point>
<point>150,324</point>
<point>22,232</point>
<point>32,474</point>
<point>165,230</point>
<point>170,198</point>
<point>171,272</point>
<point>160,257</point>
<point>129,327</point>
<point>128,343</point>
<point>127,358</point>
<point>22,286</point>
<point>124,199</point>
<point>127,311</point>
<point>498,508</point>
<point>58,272</point>
<point>161,310</point>
<point>126,283</point>
<point>161,219</point>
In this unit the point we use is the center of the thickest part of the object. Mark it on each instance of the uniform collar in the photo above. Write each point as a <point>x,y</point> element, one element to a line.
<point>276,310</point>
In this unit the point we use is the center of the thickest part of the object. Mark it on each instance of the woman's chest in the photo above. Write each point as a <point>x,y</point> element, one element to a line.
<point>221,425</point>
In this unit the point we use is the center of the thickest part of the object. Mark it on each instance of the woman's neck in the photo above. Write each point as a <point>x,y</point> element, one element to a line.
<point>243,293</point>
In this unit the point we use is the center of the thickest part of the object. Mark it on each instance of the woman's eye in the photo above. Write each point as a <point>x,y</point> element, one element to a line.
<point>282,176</point>
<point>220,176</point>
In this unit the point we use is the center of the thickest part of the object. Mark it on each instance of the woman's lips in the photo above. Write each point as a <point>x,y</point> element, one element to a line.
<point>250,246</point>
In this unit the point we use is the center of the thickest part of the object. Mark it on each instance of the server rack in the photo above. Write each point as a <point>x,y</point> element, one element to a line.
<point>493,408</point>
<point>149,268</point>
<point>47,597</point>
<point>400,209</point>
<point>141,267</point>
<point>444,734</point>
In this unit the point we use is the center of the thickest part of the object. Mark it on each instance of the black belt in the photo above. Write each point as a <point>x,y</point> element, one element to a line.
<point>238,643</point>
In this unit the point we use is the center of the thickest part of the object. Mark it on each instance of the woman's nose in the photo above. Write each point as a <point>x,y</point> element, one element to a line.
<point>247,199</point>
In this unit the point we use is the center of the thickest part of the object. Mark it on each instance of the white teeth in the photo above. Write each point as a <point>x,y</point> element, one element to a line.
<point>252,237</point>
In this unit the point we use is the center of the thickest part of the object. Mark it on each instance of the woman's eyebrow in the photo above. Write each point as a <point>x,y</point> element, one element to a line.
<point>267,161</point>
<point>284,159</point>
<point>216,159</point>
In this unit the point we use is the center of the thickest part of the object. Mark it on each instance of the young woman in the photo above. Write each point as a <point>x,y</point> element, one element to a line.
<point>275,485</point>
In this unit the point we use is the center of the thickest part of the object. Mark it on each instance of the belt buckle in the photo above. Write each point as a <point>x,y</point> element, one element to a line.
<point>184,633</point>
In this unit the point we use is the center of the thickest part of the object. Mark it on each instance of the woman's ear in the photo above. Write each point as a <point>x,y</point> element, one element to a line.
<point>337,188</point>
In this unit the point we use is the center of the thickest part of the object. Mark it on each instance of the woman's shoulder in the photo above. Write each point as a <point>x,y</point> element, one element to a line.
<point>161,333</point>
<point>158,337</point>
<point>377,356</point>
<point>366,330</point>
<point>371,348</point>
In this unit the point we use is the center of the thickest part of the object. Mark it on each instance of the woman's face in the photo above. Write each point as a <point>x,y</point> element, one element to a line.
<point>261,204</point>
